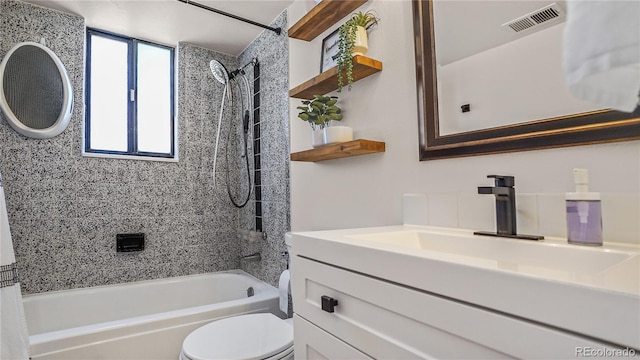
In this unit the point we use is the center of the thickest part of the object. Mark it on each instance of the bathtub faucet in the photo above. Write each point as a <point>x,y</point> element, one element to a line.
<point>251,258</point>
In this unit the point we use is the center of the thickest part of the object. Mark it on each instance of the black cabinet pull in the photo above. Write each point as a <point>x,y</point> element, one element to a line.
<point>329,304</point>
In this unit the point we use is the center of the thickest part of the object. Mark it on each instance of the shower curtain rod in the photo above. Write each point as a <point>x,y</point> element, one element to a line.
<point>236,17</point>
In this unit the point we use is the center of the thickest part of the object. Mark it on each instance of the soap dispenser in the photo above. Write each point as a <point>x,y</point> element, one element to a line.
<point>584,212</point>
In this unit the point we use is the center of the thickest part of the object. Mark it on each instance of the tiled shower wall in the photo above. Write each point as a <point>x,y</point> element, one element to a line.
<point>66,209</point>
<point>272,52</point>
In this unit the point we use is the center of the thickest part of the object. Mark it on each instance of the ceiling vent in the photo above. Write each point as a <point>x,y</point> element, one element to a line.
<point>536,18</point>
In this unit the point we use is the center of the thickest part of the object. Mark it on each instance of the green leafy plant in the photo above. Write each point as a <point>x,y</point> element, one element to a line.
<point>320,111</point>
<point>346,41</point>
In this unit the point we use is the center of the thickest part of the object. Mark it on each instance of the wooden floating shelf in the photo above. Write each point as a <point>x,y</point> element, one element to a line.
<point>328,81</point>
<point>322,17</point>
<point>341,150</point>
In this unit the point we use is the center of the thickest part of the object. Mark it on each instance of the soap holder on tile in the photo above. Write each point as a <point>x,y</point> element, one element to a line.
<point>129,242</point>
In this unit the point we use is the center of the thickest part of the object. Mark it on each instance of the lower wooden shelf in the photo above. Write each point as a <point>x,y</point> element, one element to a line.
<point>341,150</point>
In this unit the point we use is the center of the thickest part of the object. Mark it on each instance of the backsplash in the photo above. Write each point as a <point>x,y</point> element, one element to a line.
<point>537,214</point>
<point>66,209</point>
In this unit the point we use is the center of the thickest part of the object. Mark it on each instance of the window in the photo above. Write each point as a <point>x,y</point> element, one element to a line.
<point>129,97</point>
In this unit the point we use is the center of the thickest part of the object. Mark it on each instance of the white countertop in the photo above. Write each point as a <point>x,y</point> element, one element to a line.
<point>594,291</point>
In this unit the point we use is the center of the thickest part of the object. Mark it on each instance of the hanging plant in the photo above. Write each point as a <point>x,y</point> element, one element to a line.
<point>346,42</point>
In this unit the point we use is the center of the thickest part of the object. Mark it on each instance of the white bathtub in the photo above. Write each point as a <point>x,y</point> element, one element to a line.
<point>140,320</point>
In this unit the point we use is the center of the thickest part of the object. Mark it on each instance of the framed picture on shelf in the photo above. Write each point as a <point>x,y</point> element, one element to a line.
<point>329,57</point>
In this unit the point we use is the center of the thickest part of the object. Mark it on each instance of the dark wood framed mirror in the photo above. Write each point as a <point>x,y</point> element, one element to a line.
<point>592,127</point>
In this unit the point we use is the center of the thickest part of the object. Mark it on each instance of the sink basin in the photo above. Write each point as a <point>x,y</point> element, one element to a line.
<point>548,281</point>
<point>509,254</point>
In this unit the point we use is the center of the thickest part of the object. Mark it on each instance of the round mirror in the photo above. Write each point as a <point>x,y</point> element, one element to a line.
<point>35,91</point>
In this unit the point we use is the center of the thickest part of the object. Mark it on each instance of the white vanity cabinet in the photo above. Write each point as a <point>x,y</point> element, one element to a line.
<point>312,343</point>
<point>381,319</point>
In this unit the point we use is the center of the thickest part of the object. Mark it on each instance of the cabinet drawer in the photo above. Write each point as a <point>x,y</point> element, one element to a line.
<point>386,320</point>
<point>312,343</point>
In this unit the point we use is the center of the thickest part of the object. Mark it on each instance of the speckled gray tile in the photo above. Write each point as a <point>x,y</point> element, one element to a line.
<point>96,170</point>
<point>66,209</point>
<point>15,165</point>
<point>123,275</point>
<point>271,51</point>
<point>92,237</point>
<point>21,231</point>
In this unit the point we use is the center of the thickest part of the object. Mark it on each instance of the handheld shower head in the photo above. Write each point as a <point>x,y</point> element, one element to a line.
<point>219,71</point>
<point>222,75</point>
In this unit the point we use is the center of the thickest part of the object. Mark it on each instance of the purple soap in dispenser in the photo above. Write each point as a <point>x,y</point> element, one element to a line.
<point>584,212</point>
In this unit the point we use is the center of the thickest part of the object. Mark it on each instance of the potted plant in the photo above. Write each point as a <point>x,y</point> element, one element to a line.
<point>319,113</point>
<point>353,40</point>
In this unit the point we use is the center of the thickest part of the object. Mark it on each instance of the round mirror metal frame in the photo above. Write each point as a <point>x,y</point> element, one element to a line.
<point>67,98</point>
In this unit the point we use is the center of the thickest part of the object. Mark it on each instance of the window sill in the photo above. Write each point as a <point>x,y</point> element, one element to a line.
<point>129,157</point>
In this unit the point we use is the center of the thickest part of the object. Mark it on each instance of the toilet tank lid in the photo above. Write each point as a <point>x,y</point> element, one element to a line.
<point>244,337</point>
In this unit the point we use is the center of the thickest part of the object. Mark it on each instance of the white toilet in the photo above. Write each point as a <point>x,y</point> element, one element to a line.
<point>245,337</point>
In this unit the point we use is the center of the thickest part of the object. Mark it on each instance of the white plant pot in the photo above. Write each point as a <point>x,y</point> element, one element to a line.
<point>361,45</point>
<point>337,134</point>
<point>317,138</point>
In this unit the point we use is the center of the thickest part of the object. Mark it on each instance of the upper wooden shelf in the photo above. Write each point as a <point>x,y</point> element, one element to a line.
<point>328,81</point>
<point>340,150</point>
<point>322,17</point>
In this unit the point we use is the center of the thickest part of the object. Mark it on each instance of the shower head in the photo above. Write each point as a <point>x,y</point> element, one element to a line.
<point>219,71</point>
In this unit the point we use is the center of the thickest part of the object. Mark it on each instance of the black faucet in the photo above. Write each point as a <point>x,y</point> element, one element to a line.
<point>505,208</point>
<point>505,203</point>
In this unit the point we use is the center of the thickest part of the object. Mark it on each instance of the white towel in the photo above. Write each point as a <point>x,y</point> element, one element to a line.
<point>602,52</point>
<point>14,338</point>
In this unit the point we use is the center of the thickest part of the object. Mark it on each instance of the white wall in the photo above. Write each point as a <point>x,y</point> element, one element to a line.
<point>367,190</point>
